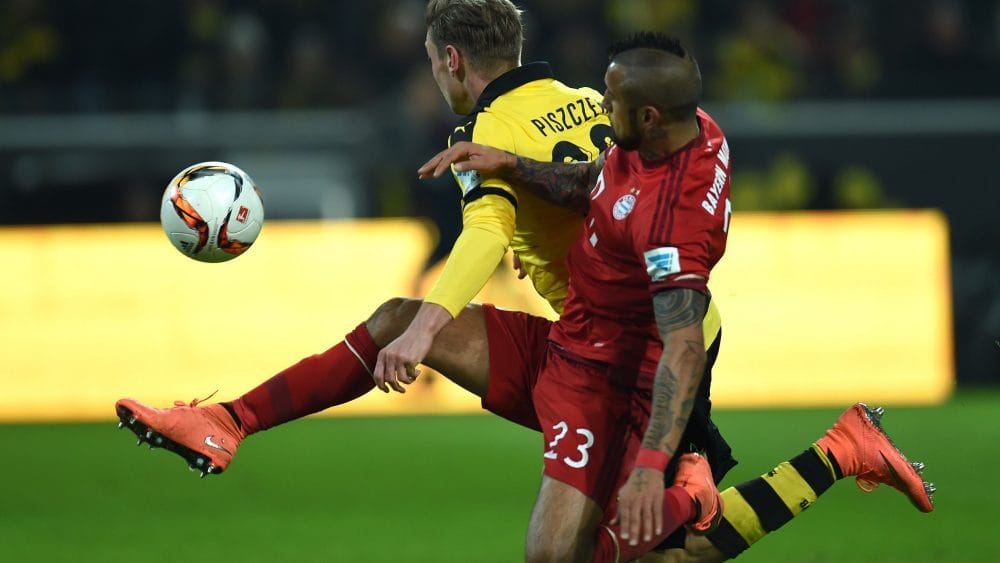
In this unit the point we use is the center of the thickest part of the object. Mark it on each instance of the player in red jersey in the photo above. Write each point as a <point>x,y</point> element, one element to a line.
<point>626,359</point>
<point>656,227</point>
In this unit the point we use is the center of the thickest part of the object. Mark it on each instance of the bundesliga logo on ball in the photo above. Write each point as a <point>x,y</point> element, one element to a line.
<point>212,212</point>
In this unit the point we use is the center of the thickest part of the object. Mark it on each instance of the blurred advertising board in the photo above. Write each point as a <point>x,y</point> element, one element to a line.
<point>818,309</point>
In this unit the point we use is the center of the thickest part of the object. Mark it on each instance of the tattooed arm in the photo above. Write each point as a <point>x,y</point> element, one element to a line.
<point>678,317</point>
<point>566,184</point>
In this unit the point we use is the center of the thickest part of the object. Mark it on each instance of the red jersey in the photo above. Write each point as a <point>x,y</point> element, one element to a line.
<point>650,224</point>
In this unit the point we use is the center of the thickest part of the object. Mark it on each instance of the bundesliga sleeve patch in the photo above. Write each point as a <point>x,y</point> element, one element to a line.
<point>468,180</point>
<point>661,262</point>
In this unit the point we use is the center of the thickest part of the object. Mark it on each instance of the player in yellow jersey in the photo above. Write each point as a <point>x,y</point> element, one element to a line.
<point>474,47</point>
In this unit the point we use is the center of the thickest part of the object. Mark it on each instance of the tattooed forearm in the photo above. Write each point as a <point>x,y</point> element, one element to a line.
<point>660,423</point>
<point>678,375</point>
<point>673,399</point>
<point>566,184</point>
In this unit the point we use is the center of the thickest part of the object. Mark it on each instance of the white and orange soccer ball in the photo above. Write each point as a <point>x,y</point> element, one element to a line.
<point>212,211</point>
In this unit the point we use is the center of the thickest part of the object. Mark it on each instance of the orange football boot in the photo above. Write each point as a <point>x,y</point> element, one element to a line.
<point>863,449</point>
<point>206,437</point>
<point>694,475</point>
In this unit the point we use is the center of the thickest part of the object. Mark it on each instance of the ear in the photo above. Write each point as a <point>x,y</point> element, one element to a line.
<point>455,60</point>
<point>650,116</point>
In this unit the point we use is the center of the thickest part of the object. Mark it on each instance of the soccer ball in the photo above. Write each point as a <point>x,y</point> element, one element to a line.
<point>212,211</point>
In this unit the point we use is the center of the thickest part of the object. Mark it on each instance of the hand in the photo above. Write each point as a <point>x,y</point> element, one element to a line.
<point>468,156</point>
<point>397,362</point>
<point>640,505</point>
<point>521,272</point>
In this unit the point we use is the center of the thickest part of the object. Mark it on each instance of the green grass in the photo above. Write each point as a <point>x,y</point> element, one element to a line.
<point>441,489</point>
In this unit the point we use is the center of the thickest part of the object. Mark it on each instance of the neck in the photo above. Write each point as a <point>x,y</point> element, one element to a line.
<point>476,82</point>
<point>665,141</point>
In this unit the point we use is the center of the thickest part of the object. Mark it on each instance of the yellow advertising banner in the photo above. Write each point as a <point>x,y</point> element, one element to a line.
<point>833,308</point>
<point>818,309</point>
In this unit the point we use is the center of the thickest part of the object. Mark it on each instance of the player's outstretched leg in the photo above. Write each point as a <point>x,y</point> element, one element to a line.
<point>207,437</point>
<point>334,377</point>
<point>856,445</point>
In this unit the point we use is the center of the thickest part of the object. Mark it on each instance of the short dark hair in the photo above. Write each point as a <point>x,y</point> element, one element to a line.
<point>489,33</point>
<point>646,49</point>
<point>647,40</point>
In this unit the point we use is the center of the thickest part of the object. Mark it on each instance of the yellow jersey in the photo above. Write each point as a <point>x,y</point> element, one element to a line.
<point>528,112</point>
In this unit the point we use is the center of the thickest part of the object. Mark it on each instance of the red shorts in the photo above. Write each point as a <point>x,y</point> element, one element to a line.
<point>592,423</point>
<point>593,426</point>
<point>517,343</point>
<point>592,416</point>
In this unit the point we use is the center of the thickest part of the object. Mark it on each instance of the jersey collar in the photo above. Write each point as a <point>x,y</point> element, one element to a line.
<point>512,79</point>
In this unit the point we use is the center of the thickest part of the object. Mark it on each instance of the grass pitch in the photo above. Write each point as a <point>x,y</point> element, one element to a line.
<point>456,488</point>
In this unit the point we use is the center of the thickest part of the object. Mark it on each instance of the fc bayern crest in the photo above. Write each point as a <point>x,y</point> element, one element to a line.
<point>623,206</point>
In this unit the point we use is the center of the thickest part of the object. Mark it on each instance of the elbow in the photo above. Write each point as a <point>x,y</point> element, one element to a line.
<point>697,360</point>
<point>690,359</point>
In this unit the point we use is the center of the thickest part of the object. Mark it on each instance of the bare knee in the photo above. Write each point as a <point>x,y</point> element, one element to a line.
<point>563,525</point>
<point>555,550</point>
<point>391,318</point>
<point>559,544</point>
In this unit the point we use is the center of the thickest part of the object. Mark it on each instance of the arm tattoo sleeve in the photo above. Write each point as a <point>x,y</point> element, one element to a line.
<point>678,318</point>
<point>678,308</point>
<point>565,184</point>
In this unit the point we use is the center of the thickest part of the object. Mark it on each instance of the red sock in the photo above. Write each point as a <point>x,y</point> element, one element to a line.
<point>678,509</point>
<point>315,383</point>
